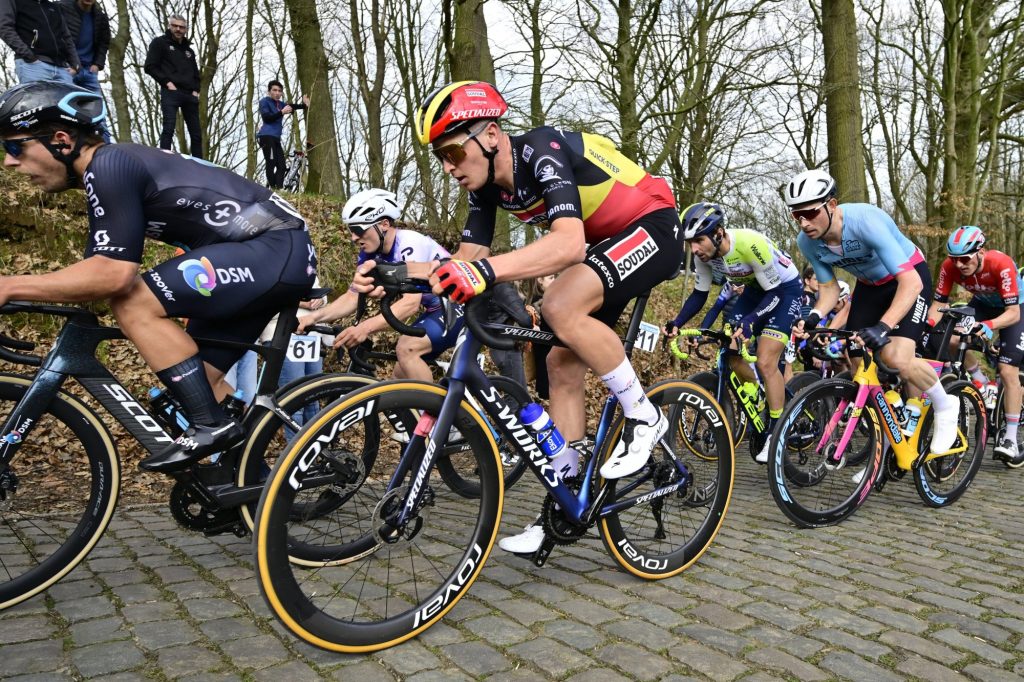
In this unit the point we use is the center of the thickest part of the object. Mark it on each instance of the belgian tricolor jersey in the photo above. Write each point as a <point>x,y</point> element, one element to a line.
<point>558,174</point>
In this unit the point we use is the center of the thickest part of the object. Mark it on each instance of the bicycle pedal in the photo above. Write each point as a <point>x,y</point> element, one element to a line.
<point>540,557</point>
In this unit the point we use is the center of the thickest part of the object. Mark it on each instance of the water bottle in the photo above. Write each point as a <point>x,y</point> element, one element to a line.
<point>167,411</point>
<point>234,405</point>
<point>549,439</point>
<point>913,412</point>
<point>899,410</point>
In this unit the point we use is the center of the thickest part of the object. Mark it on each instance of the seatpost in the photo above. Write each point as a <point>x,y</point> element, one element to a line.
<point>286,324</point>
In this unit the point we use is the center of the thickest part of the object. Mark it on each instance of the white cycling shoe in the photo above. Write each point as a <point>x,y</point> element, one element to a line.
<point>944,428</point>
<point>527,542</point>
<point>634,448</point>
<point>762,457</point>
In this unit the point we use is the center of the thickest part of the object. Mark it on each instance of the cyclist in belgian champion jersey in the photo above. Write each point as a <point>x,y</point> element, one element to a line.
<point>991,277</point>
<point>770,303</point>
<point>582,190</point>
<point>893,284</point>
<point>370,216</point>
<point>247,255</point>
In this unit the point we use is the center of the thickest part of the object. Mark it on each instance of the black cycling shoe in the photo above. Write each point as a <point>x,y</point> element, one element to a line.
<point>196,443</point>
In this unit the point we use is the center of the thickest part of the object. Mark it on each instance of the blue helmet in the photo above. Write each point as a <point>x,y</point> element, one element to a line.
<point>965,240</point>
<point>702,218</point>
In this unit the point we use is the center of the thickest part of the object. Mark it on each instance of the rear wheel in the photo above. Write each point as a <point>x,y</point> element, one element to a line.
<point>802,474</point>
<point>942,480</point>
<point>661,537</point>
<point>730,408</point>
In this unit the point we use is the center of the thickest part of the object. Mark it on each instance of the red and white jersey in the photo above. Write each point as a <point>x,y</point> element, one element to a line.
<point>996,284</point>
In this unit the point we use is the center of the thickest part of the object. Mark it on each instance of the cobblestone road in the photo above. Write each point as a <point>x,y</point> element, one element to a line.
<point>898,591</point>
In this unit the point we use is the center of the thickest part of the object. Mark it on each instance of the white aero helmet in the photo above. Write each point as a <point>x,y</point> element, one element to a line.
<point>369,206</point>
<point>809,187</point>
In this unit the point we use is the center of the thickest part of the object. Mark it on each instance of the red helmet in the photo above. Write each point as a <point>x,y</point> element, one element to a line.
<point>455,106</point>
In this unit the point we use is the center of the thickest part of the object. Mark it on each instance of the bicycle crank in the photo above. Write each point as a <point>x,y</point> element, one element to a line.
<point>190,511</point>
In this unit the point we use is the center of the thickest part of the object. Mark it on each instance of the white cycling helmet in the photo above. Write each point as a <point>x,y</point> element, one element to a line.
<point>809,187</point>
<point>369,206</point>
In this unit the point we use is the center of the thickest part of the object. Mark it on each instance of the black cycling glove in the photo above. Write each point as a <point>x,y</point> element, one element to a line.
<point>875,337</point>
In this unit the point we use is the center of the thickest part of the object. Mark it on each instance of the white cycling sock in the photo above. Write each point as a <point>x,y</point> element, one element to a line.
<point>624,385</point>
<point>567,463</point>
<point>1012,422</point>
<point>978,375</point>
<point>940,399</point>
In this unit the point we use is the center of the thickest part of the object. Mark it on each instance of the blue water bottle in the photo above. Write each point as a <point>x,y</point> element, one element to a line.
<point>549,439</point>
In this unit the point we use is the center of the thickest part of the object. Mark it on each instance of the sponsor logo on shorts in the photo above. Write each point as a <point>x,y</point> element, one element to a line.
<point>199,274</point>
<point>605,272</point>
<point>628,255</point>
<point>162,286</point>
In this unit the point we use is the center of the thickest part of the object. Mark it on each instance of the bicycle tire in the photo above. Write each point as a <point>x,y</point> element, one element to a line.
<point>267,439</point>
<point>451,464</point>
<point>802,380</point>
<point>942,481</point>
<point>807,491</point>
<point>662,537</point>
<point>997,423</point>
<point>67,490</point>
<point>738,422</point>
<point>449,539</point>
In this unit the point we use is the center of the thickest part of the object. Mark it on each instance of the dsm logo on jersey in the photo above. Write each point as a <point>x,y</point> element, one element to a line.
<point>628,255</point>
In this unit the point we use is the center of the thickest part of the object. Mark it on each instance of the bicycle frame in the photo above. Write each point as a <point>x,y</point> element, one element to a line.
<point>74,355</point>
<point>871,395</point>
<point>465,375</point>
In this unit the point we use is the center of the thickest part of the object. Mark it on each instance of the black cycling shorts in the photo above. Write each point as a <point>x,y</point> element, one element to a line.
<point>231,290</point>
<point>868,303</point>
<point>636,260</point>
<point>1011,339</point>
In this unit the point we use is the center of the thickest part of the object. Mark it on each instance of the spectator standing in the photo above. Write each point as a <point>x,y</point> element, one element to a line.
<point>272,112</point>
<point>43,49</point>
<point>171,62</point>
<point>89,27</point>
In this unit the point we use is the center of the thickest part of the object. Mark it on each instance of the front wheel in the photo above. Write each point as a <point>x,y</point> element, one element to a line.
<point>57,494</point>
<point>942,480</point>
<point>802,474</point>
<point>376,582</point>
<point>672,509</point>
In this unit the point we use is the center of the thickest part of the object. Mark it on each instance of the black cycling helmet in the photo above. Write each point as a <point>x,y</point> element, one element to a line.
<point>29,105</point>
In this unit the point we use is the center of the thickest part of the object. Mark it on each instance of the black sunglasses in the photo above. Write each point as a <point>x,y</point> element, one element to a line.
<point>16,147</point>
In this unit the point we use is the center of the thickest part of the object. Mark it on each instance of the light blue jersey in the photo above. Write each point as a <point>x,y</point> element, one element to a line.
<point>873,248</point>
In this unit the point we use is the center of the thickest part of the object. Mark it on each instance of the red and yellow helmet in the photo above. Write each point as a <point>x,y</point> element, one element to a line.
<point>455,106</point>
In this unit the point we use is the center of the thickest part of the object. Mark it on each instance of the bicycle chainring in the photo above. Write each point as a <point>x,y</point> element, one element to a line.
<point>558,528</point>
<point>191,512</point>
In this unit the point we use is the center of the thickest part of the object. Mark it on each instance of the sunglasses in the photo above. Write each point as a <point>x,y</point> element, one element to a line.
<point>360,230</point>
<point>453,152</point>
<point>16,147</point>
<point>808,213</point>
<point>963,260</point>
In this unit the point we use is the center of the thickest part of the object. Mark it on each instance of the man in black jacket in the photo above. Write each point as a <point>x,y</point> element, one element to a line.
<point>43,50</point>
<point>90,31</point>
<point>171,62</point>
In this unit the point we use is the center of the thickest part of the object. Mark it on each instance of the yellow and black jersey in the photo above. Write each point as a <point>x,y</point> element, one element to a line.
<point>559,173</point>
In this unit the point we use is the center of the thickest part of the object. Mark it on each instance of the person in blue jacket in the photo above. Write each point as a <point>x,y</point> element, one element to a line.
<point>273,111</point>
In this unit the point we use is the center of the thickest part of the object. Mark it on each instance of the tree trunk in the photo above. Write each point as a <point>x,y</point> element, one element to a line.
<point>371,88</point>
<point>469,57</point>
<point>115,63</point>
<point>313,70</point>
<point>207,69</point>
<point>250,86</point>
<point>842,99</point>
